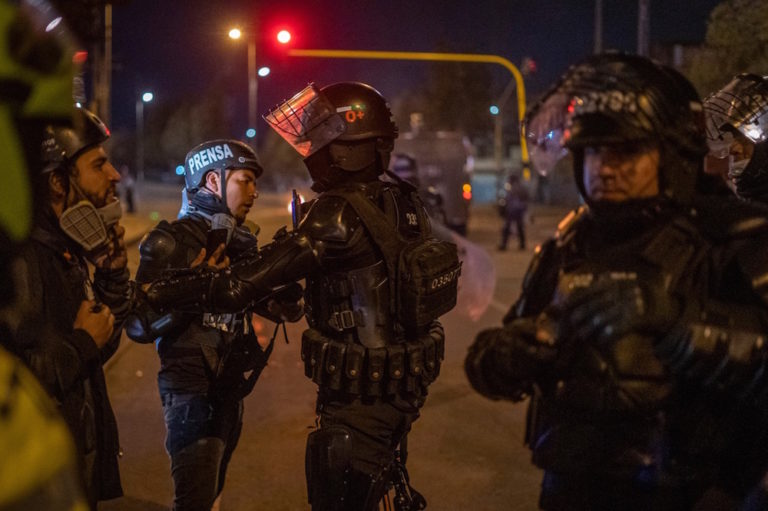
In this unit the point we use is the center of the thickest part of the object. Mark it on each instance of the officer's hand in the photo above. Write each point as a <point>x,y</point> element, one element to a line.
<point>286,311</point>
<point>609,309</point>
<point>97,320</point>
<point>503,362</point>
<point>215,260</point>
<point>114,256</point>
<point>286,304</point>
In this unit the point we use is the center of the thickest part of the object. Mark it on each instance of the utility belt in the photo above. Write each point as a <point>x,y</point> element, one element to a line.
<point>386,371</point>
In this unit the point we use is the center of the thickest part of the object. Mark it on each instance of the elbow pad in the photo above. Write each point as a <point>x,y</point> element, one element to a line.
<point>718,358</point>
<point>240,286</point>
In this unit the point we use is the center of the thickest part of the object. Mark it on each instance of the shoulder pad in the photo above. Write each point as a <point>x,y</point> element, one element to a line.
<point>722,218</point>
<point>158,244</point>
<point>331,219</point>
<point>566,226</point>
<point>538,283</point>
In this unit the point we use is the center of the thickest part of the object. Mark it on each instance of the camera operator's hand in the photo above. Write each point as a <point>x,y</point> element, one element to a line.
<point>214,260</point>
<point>97,320</point>
<point>610,309</point>
<point>114,256</point>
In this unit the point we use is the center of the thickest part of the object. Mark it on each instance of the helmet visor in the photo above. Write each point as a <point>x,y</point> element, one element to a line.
<point>544,133</point>
<point>743,105</point>
<point>308,121</point>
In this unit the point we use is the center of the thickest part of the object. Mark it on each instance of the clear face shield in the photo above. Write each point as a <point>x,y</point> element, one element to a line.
<point>308,121</point>
<point>726,147</point>
<point>544,133</point>
<point>742,105</point>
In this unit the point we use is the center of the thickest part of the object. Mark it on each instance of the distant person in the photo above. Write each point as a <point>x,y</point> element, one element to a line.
<point>128,185</point>
<point>513,211</point>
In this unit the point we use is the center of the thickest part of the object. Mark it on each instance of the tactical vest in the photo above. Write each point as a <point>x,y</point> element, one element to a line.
<point>358,343</point>
<point>605,410</point>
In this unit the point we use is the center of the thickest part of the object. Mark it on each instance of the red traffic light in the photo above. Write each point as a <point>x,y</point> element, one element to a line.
<point>283,37</point>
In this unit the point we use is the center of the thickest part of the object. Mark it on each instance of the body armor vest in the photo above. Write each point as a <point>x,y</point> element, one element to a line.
<point>605,410</point>
<point>355,343</point>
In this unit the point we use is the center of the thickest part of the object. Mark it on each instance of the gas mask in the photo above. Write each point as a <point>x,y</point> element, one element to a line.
<point>89,226</point>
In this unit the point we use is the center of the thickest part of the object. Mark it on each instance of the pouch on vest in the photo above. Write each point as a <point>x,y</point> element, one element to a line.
<point>424,273</point>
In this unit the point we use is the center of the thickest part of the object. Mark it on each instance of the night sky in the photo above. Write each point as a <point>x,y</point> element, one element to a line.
<point>177,47</point>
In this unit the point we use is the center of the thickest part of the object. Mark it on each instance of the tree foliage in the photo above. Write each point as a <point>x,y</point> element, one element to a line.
<point>736,42</point>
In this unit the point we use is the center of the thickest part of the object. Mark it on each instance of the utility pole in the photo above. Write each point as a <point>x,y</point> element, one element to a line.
<point>643,25</point>
<point>102,75</point>
<point>598,26</point>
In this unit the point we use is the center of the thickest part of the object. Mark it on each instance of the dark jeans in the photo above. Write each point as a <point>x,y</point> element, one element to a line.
<point>202,434</point>
<point>519,227</point>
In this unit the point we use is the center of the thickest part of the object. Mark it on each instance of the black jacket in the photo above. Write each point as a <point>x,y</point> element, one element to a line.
<point>54,280</point>
<point>198,352</point>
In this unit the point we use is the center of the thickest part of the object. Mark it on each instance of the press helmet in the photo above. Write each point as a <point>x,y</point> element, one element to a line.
<point>219,155</point>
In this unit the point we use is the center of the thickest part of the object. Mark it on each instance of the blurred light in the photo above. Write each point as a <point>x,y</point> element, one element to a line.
<point>180,170</point>
<point>235,33</point>
<point>494,110</point>
<point>147,97</point>
<point>79,57</point>
<point>53,24</point>
<point>283,37</point>
<point>264,71</point>
<point>78,105</point>
<point>466,191</point>
<point>754,133</point>
<point>290,203</point>
<point>250,133</point>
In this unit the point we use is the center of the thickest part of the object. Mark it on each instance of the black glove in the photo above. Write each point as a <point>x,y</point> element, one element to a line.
<point>610,309</point>
<point>504,362</point>
<point>283,305</point>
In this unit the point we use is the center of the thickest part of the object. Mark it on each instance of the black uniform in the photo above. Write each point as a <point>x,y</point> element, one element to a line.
<point>626,424</point>
<point>372,374</point>
<point>639,331</point>
<point>202,361</point>
<point>54,280</point>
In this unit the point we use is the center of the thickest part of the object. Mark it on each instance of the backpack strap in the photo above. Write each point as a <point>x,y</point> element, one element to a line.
<point>381,229</point>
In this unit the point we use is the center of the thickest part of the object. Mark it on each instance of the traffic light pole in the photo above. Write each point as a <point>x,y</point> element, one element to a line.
<point>444,57</point>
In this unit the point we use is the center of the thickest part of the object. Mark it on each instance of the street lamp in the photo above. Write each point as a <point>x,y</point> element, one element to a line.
<point>253,81</point>
<point>146,97</point>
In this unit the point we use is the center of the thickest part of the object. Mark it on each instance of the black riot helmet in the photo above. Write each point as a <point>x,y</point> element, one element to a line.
<point>616,98</point>
<point>64,144</point>
<point>219,155</point>
<point>739,113</point>
<point>342,128</point>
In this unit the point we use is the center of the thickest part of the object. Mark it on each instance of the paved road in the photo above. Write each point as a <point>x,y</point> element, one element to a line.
<point>466,452</point>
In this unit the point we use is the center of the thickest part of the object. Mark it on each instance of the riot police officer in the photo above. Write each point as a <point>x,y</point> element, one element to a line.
<point>639,333</point>
<point>374,344</point>
<point>737,134</point>
<point>204,357</point>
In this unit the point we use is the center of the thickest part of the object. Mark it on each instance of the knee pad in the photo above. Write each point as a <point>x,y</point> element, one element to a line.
<point>327,465</point>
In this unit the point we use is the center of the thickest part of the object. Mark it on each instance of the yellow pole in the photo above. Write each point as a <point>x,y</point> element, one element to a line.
<point>445,57</point>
